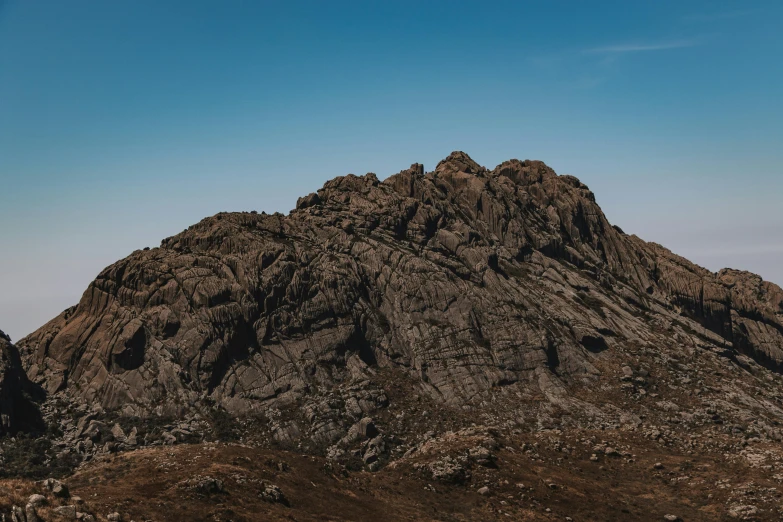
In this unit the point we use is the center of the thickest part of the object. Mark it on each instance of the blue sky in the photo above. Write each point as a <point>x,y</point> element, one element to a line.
<point>124,122</point>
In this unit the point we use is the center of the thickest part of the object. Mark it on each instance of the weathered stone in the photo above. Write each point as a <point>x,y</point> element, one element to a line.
<point>611,452</point>
<point>363,429</point>
<point>449,469</point>
<point>68,512</point>
<point>18,514</point>
<point>467,280</point>
<point>36,500</point>
<point>273,493</point>
<point>60,490</point>
<point>31,514</point>
<point>482,456</point>
<point>743,512</point>
<point>205,485</point>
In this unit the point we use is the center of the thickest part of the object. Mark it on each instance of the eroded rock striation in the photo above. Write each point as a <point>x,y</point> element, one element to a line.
<point>466,279</point>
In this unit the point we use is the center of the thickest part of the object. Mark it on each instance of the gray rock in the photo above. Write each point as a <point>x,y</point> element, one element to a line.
<point>60,490</point>
<point>118,434</point>
<point>481,456</point>
<point>273,493</point>
<point>36,500</point>
<point>68,512</point>
<point>449,469</point>
<point>18,514</point>
<point>205,485</point>
<point>363,429</point>
<point>31,514</point>
<point>743,511</point>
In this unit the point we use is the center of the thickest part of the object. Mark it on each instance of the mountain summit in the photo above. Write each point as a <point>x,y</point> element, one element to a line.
<point>465,279</point>
<point>486,331</point>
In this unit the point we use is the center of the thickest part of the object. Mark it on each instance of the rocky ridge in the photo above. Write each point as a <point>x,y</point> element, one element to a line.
<point>466,278</point>
<point>442,325</point>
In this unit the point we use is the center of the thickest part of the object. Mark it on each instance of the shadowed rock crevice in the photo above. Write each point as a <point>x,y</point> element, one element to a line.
<point>359,344</point>
<point>241,342</point>
<point>131,354</point>
<point>552,358</point>
<point>18,396</point>
<point>595,344</point>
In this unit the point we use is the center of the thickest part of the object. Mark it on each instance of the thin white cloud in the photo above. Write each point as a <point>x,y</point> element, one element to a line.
<point>635,47</point>
<point>724,15</point>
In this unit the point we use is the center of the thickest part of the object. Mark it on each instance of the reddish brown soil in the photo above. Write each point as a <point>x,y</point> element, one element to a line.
<point>150,484</point>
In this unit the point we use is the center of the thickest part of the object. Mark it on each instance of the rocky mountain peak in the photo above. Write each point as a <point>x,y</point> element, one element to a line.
<point>525,172</point>
<point>458,161</point>
<point>417,169</point>
<point>447,326</point>
<point>468,282</point>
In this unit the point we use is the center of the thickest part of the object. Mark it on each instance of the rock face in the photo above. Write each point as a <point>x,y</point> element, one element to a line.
<point>17,410</point>
<point>464,278</point>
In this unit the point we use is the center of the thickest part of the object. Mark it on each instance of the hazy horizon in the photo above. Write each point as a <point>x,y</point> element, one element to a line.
<point>122,124</point>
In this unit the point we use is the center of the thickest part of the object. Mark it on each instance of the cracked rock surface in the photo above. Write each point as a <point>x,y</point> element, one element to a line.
<point>484,342</point>
<point>466,278</point>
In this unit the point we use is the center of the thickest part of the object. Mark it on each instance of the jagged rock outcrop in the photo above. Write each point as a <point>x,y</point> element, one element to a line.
<point>17,410</point>
<point>468,279</point>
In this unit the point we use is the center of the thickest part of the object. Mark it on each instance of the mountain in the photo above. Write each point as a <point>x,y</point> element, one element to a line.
<point>438,323</point>
<point>464,278</point>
